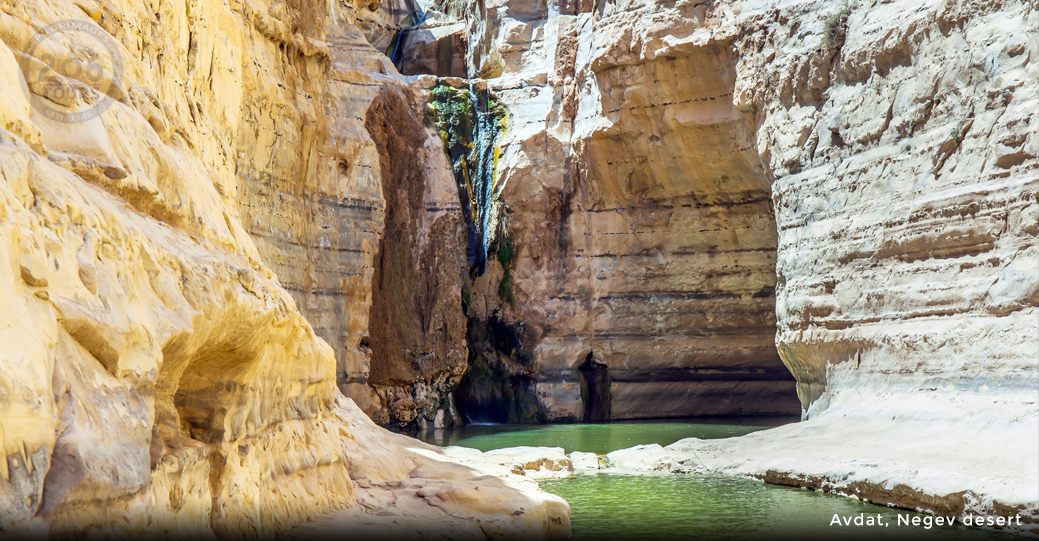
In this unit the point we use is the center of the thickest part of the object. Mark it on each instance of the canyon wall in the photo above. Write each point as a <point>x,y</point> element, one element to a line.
<point>643,279</point>
<point>880,157</point>
<point>333,167</point>
<point>182,183</point>
<point>902,139</point>
<point>906,185</point>
<point>703,197</point>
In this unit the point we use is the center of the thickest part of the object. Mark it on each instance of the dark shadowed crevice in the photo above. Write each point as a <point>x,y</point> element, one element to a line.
<point>595,390</point>
<point>498,387</point>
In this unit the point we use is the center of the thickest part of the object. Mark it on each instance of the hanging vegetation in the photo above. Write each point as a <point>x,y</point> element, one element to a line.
<point>470,124</point>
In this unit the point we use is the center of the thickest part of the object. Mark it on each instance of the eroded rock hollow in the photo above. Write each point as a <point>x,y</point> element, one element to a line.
<point>191,197</point>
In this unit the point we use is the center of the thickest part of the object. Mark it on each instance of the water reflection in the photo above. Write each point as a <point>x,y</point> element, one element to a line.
<point>611,506</point>
<point>599,438</point>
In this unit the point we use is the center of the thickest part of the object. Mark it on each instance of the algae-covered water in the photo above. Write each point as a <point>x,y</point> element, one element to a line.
<point>658,507</point>
<point>612,506</point>
<point>599,438</point>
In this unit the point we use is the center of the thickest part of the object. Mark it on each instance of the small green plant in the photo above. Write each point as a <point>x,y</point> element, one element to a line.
<point>506,254</point>
<point>454,118</point>
<point>505,288</point>
<point>955,135</point>
<point>506,251</point>
<point>467,298</point>
<point>833,34</point>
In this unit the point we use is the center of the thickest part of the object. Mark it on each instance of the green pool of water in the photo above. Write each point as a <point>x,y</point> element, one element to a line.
<point>659,507</point>
<point>611,506</point>
<point>599,438</point>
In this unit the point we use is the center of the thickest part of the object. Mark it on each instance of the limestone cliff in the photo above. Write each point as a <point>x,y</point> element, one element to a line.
<point>704,196</point>
<point>859,178</point>
<point>352,204</point>
<point>176,177</point>
<point>643,277</point>
<point>902,139</point>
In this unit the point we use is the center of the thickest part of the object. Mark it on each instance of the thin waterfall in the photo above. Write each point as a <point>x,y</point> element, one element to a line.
<point>471,122</point>
<point>397,53</point>
<point>485,136</point>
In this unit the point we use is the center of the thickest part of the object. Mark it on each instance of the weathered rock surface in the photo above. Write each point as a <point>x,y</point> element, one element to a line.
<point>366,239</point>
<point>156,377</point>
<point>416,326</point>
<point>986,466</point>
<point>584,461</point>
<point>406,489</point>
<point>531,462</point>
<point>435,47</point>
<point>905,187</point>
<point>663,160</point>
<point>644,268</point>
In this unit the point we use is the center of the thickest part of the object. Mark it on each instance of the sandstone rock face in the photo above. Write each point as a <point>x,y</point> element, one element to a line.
<point>417,327</point>
<point>879,157</point>
<point>641,215</point>
<point>158,378</point>
<point>309,187</point>
<point>435,47</point>
<point>322,231</point>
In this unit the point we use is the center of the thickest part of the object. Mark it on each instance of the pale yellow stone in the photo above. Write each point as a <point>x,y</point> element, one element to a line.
<point>156,375</point>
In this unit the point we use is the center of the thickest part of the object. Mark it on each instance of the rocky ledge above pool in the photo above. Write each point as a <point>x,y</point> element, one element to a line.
<point>407,489</point>
<point>530,462</point>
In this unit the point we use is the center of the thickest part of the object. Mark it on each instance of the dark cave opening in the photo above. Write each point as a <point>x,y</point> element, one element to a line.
<point>595,390</point>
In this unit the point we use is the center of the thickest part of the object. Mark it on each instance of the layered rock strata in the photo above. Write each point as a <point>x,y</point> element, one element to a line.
<point>900,142</point>
<point>663,160</point>
<point>158,379</point>
<point>645,242</point>
<point>903,143</point>
<point>351,202</point>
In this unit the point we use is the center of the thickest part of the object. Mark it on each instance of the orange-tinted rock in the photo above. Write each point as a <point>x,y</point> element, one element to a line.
<point>159,378</point>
